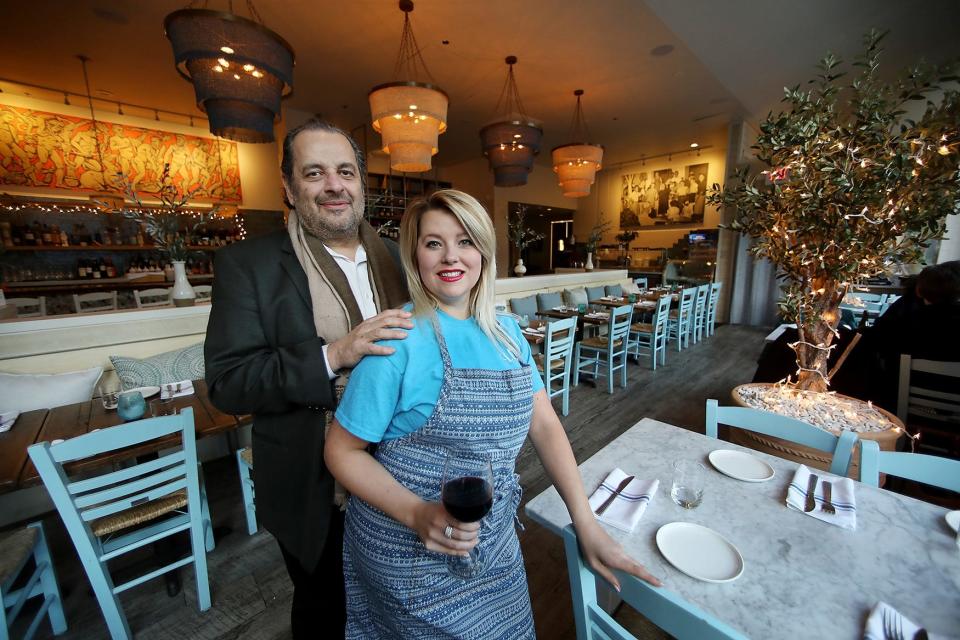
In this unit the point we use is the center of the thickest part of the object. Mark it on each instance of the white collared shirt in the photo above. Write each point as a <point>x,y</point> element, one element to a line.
<point>358,277</point>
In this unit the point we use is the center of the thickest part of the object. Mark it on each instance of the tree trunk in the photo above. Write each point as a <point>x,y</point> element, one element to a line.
<point>816,336</point>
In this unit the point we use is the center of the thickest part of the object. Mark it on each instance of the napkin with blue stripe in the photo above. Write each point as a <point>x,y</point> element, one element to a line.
<point>627,508</point>
<point>842,497</point>
<point>7,418</point>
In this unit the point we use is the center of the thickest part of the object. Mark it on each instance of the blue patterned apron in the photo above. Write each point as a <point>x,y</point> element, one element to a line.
<point>396,588</point>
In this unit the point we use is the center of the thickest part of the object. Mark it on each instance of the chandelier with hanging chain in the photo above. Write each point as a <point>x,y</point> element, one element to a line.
<point>576,163</point>
<point>240,70</point>
<point>513,140</point>
<point>408,114</point>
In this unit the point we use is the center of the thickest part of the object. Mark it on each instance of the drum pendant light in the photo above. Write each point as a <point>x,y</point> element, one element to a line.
<point>511,142</point>
<point>576,163</point>
<point>240,70</point>
<point>409,115</point>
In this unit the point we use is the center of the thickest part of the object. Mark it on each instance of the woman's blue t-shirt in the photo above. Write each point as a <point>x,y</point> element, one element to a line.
<point>390,396</point>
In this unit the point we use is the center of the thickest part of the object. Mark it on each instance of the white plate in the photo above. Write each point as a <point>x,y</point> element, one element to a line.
<point>699,552</point>
<point>146,392</point>
<point>953,519</point>
<point>741,465</point>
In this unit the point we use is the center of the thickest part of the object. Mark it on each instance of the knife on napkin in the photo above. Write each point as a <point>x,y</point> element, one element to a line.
<point>811,503</point>
<point>613,496</point>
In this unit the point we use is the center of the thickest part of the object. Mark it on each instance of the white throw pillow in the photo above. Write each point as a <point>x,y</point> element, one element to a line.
<point>29,391</point>
<point>573,297</point>
<point>631,287</point>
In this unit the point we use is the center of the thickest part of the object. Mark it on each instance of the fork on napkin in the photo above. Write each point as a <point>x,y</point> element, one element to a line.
<point>627,508</point>
<point>7,418</point>
<point>176,389</point>
<point>874,629</point>
<point>845,506</point>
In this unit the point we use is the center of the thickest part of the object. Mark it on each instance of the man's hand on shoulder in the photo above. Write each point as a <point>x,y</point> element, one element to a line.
<point>346,352</point>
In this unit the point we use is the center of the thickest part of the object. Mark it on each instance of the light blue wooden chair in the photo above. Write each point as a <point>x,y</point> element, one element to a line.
<point>919,467</point>
<point>712,307</point>
<point>16,588</point>
<point>700,312</point>
<point>778,426</point>
<point>651,337</point>
<point>658,604</point>
<point>245,469</point>
<point>681,318</point>
<point>604,355</point>
<point>642,283</point>
<point>924,405</point>
<point>554,362</point>
<point>160,498</point>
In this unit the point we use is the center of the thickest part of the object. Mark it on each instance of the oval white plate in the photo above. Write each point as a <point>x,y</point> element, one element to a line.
<point>699,552</point>
<point>146,392</point>
<point>740,465</point>
<point>953,519</point>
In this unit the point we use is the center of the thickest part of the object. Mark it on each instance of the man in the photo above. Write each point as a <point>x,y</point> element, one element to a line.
<point>292,312</point>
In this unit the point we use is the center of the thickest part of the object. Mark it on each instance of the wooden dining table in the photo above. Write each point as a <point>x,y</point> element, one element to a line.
<point>69,421</point>
<point>802,577</point>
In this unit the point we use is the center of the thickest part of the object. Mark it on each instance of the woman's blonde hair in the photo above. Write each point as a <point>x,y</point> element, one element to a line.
<point>476,222</point>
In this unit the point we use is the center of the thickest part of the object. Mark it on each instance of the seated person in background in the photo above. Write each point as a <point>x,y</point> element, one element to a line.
<point>461,381</point>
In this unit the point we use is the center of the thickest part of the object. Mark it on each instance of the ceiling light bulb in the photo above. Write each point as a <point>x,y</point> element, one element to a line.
<point>237,76</point>
<point>257,74</point>
<point>248,67</point>
<point>694,145</point>
<point>517,135</point>
<point>413,106</point>
<point>218,68</point>
<point>223,62</point>
<point>226,49</point>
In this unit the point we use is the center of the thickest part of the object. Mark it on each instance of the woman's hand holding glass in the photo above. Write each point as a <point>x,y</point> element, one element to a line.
<point>431,521</point>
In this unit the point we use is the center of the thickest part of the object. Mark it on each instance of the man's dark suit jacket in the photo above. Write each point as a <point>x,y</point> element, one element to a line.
<point>263,357</point>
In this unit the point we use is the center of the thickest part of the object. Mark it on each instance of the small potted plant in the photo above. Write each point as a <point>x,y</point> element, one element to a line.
<point>521,236</point>
<point>596,234</point>
<point>162,225</point>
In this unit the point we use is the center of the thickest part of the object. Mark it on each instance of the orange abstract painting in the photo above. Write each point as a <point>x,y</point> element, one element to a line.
<point>43,149</point>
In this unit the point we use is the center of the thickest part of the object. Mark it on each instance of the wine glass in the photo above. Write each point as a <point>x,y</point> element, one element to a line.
<point>466,492</point>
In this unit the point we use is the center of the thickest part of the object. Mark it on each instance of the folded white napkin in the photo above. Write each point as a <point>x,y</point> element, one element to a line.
<point>176,389</point>
<point>874,627</point>
<point>533,329</point>
<point>598,314</point>
<point>842,497</point>
<point>627,508</point>
<point>7,418</point>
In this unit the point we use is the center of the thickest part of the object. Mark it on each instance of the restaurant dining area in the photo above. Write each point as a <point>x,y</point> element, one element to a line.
<point>435,319</point>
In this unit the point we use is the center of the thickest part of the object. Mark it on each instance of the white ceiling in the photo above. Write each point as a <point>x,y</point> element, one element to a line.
<point>729,58</point>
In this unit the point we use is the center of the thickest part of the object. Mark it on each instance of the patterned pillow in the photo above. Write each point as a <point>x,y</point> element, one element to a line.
<point>172,366</point>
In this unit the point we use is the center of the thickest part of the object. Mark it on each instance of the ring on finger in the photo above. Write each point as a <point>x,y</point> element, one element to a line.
<point>448,532</point>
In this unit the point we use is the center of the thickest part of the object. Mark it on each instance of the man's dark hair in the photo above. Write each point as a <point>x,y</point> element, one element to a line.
<point>316,124</point>
<point>940,283</point>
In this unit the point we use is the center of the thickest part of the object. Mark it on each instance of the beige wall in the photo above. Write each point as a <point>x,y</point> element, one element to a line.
<point>603,203</point>
<point>259,168</point>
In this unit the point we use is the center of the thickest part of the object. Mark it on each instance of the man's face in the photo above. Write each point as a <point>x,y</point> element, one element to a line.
<point>325,186</point>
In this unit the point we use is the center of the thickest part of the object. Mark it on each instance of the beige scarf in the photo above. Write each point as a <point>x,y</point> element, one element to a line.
<point>335,310</point>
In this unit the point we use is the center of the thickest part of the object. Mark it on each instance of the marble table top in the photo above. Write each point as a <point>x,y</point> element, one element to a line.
<point>802,578</point>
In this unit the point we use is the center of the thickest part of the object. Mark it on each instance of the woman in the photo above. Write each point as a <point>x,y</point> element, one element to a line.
<point>462,379</point>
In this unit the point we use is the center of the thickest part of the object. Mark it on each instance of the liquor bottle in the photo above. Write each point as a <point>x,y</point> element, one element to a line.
<point>95,268</point>
<point>28,237</point>
<point>81,269</point>
<point>46,235</point>
<point>64,239</point>
<point>37,232</point>
<point>111,270</point>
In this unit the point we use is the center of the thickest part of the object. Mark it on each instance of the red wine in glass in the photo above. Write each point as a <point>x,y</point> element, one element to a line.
<point>466,492</point>
<point>468,498</point>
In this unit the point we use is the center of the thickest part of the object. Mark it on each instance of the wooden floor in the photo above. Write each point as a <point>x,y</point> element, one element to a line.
<point>251,591</point>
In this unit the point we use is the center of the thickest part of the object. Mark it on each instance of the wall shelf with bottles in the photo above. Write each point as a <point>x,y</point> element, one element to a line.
<point>389,195</point>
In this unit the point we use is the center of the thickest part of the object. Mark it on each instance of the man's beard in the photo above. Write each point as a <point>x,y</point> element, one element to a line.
<point>318,225</point>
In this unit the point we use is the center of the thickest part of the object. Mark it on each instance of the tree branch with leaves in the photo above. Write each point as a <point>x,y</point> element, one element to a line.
<point>851,186</point>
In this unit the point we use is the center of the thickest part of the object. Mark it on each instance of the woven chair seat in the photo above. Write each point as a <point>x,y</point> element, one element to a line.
<point>15,546</point>
<point>641,327</point>
<point>599,342</point>
<point>555,364</point>
<point>139,514</point>
<point>247,456</point>
<point>674,314</point>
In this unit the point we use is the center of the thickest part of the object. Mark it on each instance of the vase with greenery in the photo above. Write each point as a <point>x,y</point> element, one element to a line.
<point>521,236</point>
<point>163,225</point>
<point>593,239</point>
<point>850,186</point>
